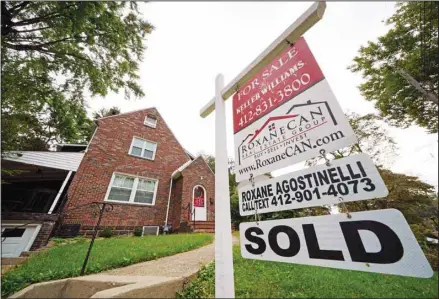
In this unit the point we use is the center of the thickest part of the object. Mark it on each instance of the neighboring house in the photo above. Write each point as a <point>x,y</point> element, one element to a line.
<point>32,199</point>
<point>134,162</point>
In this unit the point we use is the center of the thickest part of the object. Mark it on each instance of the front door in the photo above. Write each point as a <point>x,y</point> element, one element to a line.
<point>199,205</point>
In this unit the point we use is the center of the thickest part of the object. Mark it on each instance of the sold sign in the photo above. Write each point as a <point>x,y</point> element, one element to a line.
<point>373,241</point>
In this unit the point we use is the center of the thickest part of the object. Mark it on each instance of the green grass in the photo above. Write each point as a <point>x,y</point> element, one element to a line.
<point>263,279</point>
<point>66,261</point>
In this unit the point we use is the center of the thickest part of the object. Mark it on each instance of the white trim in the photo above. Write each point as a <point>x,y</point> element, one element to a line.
<point>143,148</point>
<point>34,236</point>
<point>133,189</point>
<point>60,192</point>
<point>185,165</point>
<point>169,200</point>
<point>148,124</point>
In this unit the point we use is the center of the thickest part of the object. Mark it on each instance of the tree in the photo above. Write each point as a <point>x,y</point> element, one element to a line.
<point>373,139</point>
<point>103,112</point>
<point>401,69</point>
<point>55,55</point>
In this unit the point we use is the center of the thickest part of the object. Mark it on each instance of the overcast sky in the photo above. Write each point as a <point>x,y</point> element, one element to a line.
<point>194,41</point>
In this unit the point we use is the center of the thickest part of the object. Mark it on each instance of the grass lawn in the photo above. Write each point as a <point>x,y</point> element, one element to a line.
<point>262,279</point>
<point>66,261</point>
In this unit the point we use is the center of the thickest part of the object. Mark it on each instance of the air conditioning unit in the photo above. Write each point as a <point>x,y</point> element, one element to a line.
<point>150,230</point>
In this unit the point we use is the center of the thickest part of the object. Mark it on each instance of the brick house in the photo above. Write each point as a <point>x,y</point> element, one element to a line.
<point>134,162</point>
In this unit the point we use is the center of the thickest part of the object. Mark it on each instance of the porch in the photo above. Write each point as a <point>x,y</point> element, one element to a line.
<point>34,190</point>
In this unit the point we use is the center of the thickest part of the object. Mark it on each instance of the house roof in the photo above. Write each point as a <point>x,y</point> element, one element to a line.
<point>128,112</point>
<point>192,157</point>
<point>180,169</point>
<point>58,160</point>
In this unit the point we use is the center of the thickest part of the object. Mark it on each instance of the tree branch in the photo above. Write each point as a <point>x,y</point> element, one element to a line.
<point>41,18</point>
<point>429,95</point>
<point>32,30</point>
<point>19,7</point>
<point>37,46</point>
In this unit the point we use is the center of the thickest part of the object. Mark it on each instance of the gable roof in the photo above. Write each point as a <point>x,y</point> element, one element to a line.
<point>58,160</point>
<point>189,155</point>
<point>120,114</point>
<point>180,169</point>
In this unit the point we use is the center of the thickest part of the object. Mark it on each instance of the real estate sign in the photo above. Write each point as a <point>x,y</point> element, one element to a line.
<point>285,114</point>
<point>352,178</point>
<point>372,241</point>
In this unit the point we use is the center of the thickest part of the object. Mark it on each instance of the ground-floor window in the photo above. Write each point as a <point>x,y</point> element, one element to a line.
<point>132,189</point>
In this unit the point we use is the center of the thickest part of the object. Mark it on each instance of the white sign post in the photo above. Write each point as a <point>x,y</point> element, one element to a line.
<point>224,279</point>
<point>350,179</point>
<point>372,241</point>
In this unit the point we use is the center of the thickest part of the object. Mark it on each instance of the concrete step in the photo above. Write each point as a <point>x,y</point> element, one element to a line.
<point>13,260</point>
<point>106,286</point>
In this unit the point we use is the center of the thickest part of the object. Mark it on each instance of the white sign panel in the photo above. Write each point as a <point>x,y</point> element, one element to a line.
<point>295,131</point>
<point>352,178</point>
<point>373,241</point>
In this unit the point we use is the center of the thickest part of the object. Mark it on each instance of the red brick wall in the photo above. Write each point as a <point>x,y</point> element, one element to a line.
<point>43,235</point>
<point>108,153</point>
<point>198,173</point>
<point>176,209</point>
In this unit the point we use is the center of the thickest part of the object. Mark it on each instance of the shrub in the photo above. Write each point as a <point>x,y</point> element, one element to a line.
<point>106,233</point>
<point>138,232</point>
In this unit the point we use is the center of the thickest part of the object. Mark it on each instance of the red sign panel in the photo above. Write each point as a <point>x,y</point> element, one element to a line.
<point>199,197</point>
<point>289,74</point>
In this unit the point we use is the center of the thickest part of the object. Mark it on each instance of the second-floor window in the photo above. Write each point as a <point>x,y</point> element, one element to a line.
<point>143,148</point>
<point>150,121</point>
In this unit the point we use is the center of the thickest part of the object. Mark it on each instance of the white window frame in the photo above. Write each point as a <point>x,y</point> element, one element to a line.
<point>143,148</point>
<point>133,190</point>
<point>148,123</point>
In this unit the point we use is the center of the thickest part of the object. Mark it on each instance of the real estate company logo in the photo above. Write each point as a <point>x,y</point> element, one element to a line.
<point>278,132</point>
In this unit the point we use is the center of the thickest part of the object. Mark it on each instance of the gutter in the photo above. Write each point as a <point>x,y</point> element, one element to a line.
<point>169,199</point>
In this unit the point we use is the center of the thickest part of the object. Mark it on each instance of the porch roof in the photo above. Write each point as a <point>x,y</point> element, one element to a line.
<point>58,160</point>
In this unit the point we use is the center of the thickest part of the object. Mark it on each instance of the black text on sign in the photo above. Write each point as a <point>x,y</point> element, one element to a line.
<point>352,178</point>
<point>373,241</point>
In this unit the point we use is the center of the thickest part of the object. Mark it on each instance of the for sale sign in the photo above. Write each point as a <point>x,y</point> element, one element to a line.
<point>286,114</point>
<point>352,178</point>
<point>292,72</point>
<point>373,241</point>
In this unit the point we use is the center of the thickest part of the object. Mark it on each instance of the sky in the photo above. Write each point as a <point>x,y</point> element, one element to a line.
<point>194,41</point>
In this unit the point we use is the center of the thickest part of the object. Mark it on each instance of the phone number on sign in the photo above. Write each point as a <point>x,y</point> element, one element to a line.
<point>350,187</point>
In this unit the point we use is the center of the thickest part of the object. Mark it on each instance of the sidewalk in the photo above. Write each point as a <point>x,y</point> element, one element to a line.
<point>160,278</point>
<point>179,265</point>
